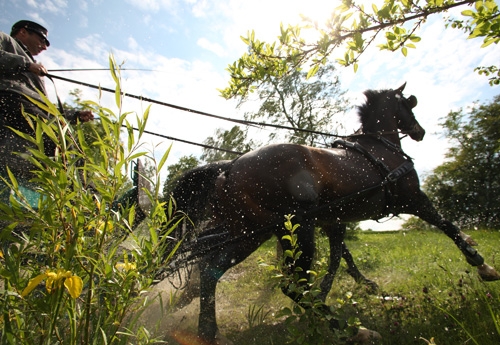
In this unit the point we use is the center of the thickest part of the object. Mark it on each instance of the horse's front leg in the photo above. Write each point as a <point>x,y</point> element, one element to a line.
<point>427,212</point>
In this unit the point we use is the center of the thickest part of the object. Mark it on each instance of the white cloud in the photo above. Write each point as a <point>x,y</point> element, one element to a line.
<point>132,43</point>
<point>147,19</point>
<point>53,6</point>
<point>84,22</point>
<point>235,18</point>
<point>145,5</point>
<point>213,47</point>
<point>84,5</point>
<point>93,45</point>
<point>199,7</point>
<point>36,17</point>
<point>154,5</point>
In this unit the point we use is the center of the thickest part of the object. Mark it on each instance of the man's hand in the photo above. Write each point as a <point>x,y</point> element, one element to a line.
<point>37,68</point>
<point>85,115</point>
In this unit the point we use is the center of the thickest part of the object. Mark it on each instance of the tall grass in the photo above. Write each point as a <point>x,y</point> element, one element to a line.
<point>427,291</point>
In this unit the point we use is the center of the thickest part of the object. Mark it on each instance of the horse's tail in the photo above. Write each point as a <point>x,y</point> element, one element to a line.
<point>194,196</point>
<point>195,190</point>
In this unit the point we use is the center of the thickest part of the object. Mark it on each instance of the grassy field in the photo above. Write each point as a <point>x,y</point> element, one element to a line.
<point>426,290</point>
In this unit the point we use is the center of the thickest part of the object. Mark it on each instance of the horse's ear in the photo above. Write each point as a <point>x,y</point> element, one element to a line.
<point>401,88</point>
<point>412,101</point>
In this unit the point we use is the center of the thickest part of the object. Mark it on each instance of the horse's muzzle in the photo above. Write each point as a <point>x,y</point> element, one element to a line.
<point>417,133</point>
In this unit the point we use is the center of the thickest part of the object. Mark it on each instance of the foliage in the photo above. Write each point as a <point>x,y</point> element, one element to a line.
<point>77,102</point>
<point>353,28</point>
<point>92,130</point>
<point>466,187</point>
<point>415,223</point>
<point>256,315</point>
<point>229,144</point>
<point>310,309</point>
<point>175,171</point>
<point>308,106</point>
<point>68,275</point>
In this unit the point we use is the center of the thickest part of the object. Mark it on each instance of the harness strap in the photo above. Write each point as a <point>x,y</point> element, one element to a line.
<point>390,176</point>
<point>400,171</point>
<point>357,147</point>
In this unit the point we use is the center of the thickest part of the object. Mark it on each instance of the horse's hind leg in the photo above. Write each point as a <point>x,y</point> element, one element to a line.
<point>354,272</point>
<point>212,267</point>
<point>305,241</point>
<point>335,234</point>
<point>306,245</point>
<point>427,212</point>
<point>338,248</point>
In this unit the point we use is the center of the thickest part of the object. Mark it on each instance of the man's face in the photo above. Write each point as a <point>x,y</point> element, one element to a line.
<point>33,41</point>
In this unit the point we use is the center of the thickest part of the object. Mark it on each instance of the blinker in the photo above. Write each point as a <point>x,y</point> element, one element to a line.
<point>412,101</point>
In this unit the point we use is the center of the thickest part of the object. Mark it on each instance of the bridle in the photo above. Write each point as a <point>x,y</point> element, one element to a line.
<point>403,104</point>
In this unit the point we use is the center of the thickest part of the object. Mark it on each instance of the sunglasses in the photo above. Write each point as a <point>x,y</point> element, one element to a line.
<point>39,35</point>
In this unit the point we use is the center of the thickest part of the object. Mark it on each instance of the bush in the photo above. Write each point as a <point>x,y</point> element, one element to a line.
<point>68,276</point>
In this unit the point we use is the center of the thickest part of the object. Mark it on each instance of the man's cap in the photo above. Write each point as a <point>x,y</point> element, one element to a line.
<point>33,27</point>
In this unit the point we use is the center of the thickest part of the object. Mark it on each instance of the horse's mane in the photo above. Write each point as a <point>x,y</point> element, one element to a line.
<point>372,104</point>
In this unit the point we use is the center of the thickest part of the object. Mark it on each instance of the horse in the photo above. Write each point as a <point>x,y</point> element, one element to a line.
<point>367,176</point>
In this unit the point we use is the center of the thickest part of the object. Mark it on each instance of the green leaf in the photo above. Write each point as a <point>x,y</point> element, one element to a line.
<point>118,96</point>
<point>312,71</point>
<point>287,238</point>
<point>284,312</point>
<point>488,41</point>
<point>112,66</point>
<point>164,158</point>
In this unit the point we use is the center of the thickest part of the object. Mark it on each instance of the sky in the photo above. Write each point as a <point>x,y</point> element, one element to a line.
<point>181,49</point>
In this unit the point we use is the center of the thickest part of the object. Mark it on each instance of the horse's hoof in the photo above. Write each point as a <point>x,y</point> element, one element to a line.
<point>186,337</point>
<point>488,273</point>
<point>222,340</point>
<point>468,239</point>
<point>365,336</point>
<point>371,287</point>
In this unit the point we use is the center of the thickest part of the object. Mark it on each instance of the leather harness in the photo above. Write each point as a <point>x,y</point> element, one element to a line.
<point>389,176</point>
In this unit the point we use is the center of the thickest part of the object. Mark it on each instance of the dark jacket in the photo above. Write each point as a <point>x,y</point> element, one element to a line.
<point>14,75</point>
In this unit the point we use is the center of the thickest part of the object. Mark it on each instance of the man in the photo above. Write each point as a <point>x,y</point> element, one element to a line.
<point>21,76</point>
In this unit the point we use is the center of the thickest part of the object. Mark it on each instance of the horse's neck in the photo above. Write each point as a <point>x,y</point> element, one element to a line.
<point>389,134</point>
<point>372,142</point>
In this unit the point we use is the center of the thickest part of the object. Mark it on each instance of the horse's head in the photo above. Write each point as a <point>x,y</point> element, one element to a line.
<point>406,120</point>
<point>387,112</point>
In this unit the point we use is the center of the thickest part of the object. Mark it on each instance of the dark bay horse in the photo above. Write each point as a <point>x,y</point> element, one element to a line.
<point>367,177</point>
